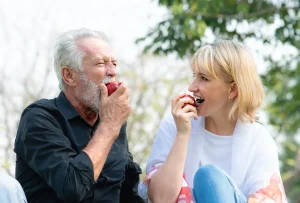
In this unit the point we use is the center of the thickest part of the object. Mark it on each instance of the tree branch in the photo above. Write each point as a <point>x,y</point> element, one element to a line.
<point>240,17</point>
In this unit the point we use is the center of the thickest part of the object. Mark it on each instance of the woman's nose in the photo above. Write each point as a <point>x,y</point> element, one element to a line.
<point>192,87</point>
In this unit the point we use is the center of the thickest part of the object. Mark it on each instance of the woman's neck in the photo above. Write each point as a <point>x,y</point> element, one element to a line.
<point>220,126</point>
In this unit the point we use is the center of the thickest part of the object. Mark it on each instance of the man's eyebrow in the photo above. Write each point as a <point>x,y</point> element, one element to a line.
<point>109,59</point>
<point>95,59</point>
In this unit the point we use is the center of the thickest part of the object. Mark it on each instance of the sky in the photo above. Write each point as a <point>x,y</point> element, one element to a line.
<point>28,24</point>
<point>122,21</point>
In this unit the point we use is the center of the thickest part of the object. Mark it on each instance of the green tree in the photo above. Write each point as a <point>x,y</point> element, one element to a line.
<point>191,23</point>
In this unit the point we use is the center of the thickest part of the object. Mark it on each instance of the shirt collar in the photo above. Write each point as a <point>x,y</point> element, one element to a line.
<point>65,106</point>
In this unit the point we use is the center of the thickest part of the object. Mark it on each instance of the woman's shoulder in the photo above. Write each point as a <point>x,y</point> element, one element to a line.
<point>260,135</point>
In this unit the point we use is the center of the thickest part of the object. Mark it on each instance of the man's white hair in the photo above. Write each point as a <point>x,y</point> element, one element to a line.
<point>66,52</point>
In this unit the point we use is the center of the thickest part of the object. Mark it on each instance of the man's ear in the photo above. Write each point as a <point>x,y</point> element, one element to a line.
<point>69,76</point>
<point>233,91</point>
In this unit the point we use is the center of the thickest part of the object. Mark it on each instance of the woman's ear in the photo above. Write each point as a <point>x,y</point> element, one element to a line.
<point>233,91</point>
<point>68,75</point>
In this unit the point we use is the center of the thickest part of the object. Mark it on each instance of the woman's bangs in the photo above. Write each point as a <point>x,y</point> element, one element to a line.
<point>203,62</point>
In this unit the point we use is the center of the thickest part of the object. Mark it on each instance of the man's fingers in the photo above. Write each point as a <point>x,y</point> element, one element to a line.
<point>120,90</point>
<point>103,90</point>
<point>127,92</point>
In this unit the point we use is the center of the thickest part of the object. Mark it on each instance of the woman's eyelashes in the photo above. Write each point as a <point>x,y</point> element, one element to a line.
<point>204,78</point>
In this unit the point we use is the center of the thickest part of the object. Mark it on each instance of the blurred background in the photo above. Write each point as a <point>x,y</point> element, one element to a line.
<point>154,41</point>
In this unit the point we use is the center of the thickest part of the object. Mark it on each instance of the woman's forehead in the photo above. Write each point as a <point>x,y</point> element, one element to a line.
<point>202,69</point>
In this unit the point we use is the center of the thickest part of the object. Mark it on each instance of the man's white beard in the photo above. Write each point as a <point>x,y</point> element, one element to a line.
<point>91,93</point>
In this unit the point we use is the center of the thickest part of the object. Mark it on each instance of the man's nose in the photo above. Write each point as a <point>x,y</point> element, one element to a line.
<point>111,70</point>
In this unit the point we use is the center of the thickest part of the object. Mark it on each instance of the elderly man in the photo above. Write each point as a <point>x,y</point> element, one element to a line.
<point>74,148</point>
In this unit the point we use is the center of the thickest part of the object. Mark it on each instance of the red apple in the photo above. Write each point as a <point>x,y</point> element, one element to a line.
<point>194,101</point>
<point>112,87</point>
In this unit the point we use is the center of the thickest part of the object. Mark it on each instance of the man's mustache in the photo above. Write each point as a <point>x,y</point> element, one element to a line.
<point>108,80</point>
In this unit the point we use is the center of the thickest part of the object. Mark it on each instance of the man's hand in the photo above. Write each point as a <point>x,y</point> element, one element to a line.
<point>114,110</point>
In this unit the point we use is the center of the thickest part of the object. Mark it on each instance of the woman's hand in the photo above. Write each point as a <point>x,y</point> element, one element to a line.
<point>182,114</point>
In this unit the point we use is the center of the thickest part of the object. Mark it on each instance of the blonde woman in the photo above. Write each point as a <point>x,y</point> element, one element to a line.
<point>216,152</point>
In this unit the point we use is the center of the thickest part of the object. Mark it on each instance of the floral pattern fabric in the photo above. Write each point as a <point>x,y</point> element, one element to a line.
<point>272,193</point>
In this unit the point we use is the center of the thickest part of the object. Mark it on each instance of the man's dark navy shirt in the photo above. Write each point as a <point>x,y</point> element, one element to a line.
<point>51,166</point>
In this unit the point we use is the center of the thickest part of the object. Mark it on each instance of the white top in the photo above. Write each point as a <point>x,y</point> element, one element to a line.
<point>249,156</point>
<point>216,150</point>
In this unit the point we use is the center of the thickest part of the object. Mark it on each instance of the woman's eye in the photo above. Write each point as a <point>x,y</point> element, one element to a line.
<point>204,78</point>
<point>194,75</point>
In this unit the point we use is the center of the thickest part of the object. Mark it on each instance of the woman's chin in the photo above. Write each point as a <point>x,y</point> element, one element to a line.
<point>199,112</point>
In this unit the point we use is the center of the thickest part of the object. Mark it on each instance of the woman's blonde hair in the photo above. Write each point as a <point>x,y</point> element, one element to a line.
<point>234,62</point>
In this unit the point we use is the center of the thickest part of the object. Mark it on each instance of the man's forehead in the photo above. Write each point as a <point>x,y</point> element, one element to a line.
<point>95,47</point>
<point>102,57</point>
